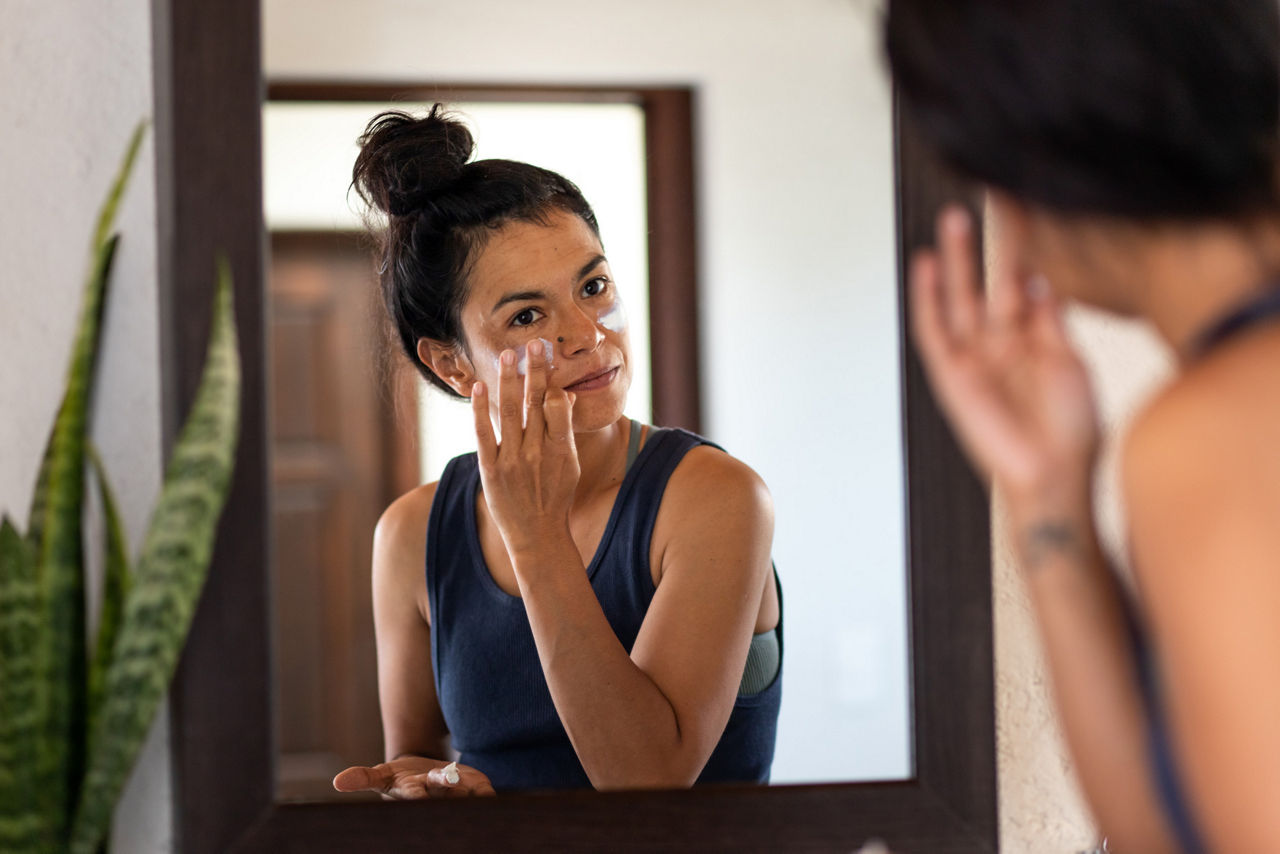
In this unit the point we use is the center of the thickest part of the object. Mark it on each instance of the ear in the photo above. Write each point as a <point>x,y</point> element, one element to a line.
<point>449,363</point>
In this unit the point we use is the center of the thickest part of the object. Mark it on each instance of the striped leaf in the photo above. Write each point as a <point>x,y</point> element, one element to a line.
<point>115,584</point>
<point>60,654</point>
<point>55,722</point>
<point>168,577</point>
<point>106,219</point>
<point>23,826</point>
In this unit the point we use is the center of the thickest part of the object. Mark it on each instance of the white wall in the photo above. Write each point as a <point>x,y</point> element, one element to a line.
<point>798,298</point>
<point>74,79</point>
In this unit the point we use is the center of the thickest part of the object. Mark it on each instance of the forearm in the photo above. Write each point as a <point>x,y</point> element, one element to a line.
<point>1094,673</point>
<point>623,728</point>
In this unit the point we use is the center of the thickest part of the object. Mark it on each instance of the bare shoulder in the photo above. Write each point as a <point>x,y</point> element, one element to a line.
<point>713,504</point>
<point>1218,422</point>
<point>1201,472</point>
<point>403,525</point>
<point>400,545</point>
<point>708,480</point>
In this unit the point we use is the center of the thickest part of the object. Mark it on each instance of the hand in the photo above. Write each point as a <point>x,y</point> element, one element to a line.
<point>411,778</point>
<point>529,478</point>
<point>1003,370</point>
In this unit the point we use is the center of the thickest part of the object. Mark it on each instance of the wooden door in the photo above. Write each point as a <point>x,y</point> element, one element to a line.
<point>343,446</point>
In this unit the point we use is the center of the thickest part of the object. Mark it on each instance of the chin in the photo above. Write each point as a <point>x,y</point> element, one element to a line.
<point>590,416</point>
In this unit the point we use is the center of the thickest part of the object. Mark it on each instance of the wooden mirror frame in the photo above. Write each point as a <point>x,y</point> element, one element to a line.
<point>209,200</point>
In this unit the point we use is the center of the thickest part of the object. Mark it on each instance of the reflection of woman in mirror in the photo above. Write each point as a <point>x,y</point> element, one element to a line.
<point>598,606</point>
<point>1129,147</point>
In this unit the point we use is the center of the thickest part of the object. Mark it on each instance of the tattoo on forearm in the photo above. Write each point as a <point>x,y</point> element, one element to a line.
<point>1043,541</point>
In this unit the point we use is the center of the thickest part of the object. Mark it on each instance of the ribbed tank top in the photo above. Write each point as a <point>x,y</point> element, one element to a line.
<point>488,677</point>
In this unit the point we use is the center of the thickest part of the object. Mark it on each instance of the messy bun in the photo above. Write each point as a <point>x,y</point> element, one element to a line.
<point>440,209</point>
<point>1146,109</point>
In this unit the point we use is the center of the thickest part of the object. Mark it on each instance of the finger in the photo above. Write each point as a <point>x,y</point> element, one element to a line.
<point>535,388</point>
<point>509,401</point>
<point>359,778</point>
<point>559,413</point>
<point>932,337</point>
<point>411,789</point>
<point>962,285</point>
<point>486,442</point>
<point>1048,317</point>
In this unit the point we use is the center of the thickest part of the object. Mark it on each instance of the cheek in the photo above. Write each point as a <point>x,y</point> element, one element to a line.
<point>488,354</point>
<point>614,318</point>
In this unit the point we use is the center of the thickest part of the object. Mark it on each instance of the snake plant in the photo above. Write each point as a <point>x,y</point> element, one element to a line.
<point>73,715</point>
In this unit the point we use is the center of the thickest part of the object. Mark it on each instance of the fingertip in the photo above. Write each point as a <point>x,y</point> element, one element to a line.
<point>923,264</point>
<point>477,389</point>
<point>350,779</point>
<point>955,220</point>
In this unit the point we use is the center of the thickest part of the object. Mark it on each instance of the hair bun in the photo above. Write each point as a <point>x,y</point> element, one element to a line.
<point>405,161</point>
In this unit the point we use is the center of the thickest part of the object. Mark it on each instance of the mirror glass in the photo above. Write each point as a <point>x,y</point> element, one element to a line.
<point>797,330</point>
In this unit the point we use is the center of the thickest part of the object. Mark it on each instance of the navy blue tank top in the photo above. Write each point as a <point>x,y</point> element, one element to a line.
<point>488,677</point>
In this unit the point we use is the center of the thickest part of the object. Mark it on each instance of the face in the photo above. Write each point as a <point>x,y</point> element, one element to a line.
<point>549,282</point>
<point>1081,258</point>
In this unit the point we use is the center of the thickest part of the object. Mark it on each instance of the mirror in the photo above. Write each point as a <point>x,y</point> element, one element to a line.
<point>797,334</point>
<point>208,138</point>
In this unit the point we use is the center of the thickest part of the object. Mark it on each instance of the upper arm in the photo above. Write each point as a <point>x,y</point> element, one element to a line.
<point>1202,485</point>
<point>411,717</point>
<point>713,536</point>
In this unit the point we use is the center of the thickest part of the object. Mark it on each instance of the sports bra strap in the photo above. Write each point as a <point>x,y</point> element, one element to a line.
<point>633,444</point>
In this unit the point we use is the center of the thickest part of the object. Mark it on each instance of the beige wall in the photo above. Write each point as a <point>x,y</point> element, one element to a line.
<point>74,79</point>
<point>1040,806</point>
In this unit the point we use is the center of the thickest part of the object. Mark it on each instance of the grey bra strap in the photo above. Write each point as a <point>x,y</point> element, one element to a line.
<point>633,444</point>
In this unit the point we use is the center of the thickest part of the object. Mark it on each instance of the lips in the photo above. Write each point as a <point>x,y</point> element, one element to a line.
<point>592,381</point>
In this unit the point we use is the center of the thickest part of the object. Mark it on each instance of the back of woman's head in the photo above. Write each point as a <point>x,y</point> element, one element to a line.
<point>1147,109</point>
<point>440,210</point>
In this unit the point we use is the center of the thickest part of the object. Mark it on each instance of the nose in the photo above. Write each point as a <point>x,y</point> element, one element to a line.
<point>578,333</point>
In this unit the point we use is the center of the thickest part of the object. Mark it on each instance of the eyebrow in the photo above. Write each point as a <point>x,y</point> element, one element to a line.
<point>517,296</point>
<point>520,296</point>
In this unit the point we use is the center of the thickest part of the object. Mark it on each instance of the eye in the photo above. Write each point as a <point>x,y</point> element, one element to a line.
<point>525,317</point>
<point>596,286</point>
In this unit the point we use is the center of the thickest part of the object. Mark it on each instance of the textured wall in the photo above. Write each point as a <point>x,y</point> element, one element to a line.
<point>1041,807</point>
<point>76,78</point>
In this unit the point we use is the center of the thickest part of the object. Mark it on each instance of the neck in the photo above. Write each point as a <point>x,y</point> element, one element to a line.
<point>1190,276</point>
<point>601,455</point>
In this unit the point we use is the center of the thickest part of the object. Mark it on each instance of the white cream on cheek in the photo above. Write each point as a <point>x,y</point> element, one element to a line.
<point>614,318</point>
<point>522,358</point>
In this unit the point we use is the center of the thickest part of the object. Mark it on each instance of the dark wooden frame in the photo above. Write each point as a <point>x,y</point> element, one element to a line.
<point>208,95</point>
<point>671,204</point>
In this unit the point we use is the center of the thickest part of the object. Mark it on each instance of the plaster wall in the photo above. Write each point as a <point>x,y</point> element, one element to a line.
<point>74,80</point>
<point>1041,807</point>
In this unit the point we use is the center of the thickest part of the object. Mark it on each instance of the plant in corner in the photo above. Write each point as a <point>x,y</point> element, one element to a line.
<point>72,720</point>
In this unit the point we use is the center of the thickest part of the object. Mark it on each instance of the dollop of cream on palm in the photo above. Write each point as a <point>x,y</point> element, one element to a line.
<point>451,773</point>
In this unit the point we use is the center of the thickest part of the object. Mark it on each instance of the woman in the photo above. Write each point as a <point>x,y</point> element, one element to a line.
<point>1129,149</point>
<point>598,605</point>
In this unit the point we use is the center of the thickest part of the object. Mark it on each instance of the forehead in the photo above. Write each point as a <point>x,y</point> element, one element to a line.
<point>526,255</point>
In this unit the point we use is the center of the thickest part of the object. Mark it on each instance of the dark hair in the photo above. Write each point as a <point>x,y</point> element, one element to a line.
<point>440,211</point>
<point>1147,109</point>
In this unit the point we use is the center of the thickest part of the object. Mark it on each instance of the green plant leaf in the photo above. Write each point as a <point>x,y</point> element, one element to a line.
<point>168,577</point>
<point>61,658</point>
<point>54,531</point>
<point>115,585</point>
<point>102,230</point>
<point>23,826</point>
